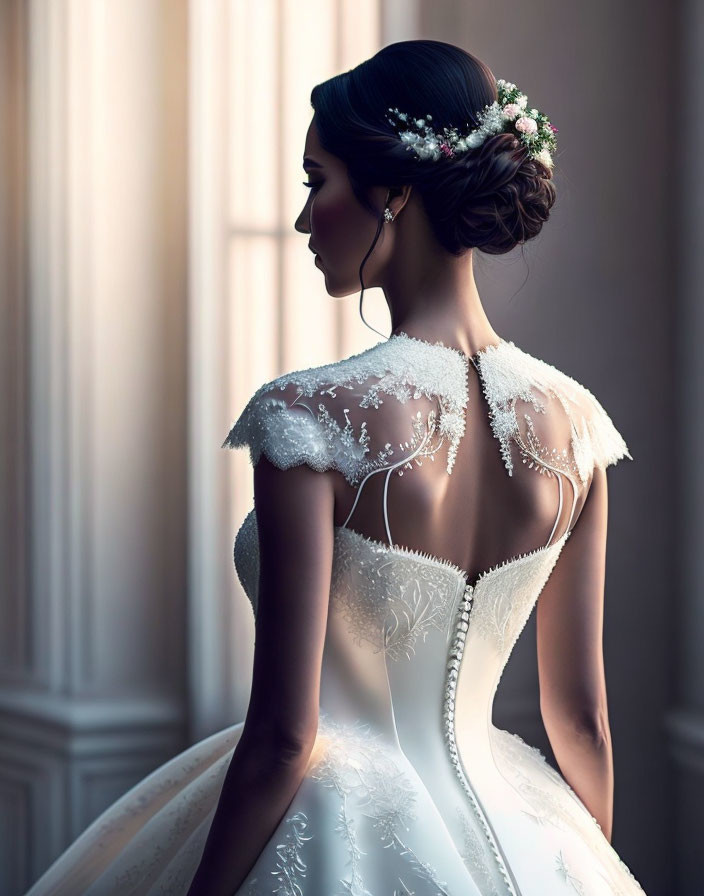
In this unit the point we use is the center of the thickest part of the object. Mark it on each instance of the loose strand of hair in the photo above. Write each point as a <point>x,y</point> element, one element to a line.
<point>380,224</point>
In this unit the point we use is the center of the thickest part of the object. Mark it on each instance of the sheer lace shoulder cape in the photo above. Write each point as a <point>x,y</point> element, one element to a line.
<point>318,416</point>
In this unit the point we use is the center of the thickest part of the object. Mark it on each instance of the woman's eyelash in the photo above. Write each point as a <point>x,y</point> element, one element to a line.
<point>309,185</point>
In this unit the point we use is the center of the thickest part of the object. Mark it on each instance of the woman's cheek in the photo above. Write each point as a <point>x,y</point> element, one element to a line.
<point>327,211</point>
<point>334,222</point>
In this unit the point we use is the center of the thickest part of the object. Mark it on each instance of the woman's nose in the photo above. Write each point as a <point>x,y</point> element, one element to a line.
<point>301,224</point>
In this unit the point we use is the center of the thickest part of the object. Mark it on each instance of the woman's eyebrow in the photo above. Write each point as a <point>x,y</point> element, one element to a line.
<point>310,163</point>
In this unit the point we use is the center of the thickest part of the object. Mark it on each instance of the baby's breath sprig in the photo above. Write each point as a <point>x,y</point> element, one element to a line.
<point>509,113</point>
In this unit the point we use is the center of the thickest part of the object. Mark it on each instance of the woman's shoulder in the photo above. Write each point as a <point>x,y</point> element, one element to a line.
<point>520,387</point>
<point>396,366</point>
<point>399,360</point>
<point>346,414</point>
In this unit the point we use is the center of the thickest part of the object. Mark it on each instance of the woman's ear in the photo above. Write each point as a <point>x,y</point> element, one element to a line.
<point>397,197</point>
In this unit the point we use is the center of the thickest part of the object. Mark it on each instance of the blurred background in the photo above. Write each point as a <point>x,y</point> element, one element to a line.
<point>151,280</point>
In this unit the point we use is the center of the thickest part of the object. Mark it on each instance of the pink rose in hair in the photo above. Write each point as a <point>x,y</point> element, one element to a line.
<point>511,110</point>
<point>526,125</point>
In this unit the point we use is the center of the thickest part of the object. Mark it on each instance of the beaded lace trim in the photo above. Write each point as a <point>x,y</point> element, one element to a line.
<point>443,563</point>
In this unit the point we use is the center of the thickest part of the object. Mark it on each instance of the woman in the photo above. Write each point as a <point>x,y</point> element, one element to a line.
<point>368,762</point>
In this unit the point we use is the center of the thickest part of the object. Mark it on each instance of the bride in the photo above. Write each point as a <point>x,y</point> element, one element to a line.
<point>413,504</point>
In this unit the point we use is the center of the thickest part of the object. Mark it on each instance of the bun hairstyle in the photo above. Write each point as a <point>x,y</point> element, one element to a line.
<point>493,197</point>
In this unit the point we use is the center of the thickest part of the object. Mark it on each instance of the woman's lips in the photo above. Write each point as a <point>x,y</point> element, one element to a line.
<point>317,259</point>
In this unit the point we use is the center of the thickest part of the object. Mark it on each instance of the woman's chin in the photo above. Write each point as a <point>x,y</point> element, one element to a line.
<point>335,291</point>
<point>340,292</point>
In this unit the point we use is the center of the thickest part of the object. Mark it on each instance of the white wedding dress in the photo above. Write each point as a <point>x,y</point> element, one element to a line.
<point>410,789</point>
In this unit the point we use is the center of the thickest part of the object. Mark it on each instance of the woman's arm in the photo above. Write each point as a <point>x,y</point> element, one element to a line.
<point>257,790</point>
<point>570,659</point>
<point>295,517</point>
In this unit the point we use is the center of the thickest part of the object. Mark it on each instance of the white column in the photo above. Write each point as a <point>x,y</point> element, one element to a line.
<point>217,687</point>
<point>93,691</point>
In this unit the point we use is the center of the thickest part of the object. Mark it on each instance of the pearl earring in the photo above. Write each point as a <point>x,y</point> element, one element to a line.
<point>388,214</point>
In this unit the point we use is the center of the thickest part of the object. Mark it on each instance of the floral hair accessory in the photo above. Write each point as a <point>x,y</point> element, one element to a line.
<point>508,114</point>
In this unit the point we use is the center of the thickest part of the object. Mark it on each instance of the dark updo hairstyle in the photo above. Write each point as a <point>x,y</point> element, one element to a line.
<point>492,198</point>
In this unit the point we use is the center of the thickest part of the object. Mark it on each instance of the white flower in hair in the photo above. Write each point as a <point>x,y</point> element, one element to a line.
<point>545,157</point>
<point>506,114</point>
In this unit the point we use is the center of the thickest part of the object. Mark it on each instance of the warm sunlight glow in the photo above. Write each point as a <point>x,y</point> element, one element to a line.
<point>276,56</point>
